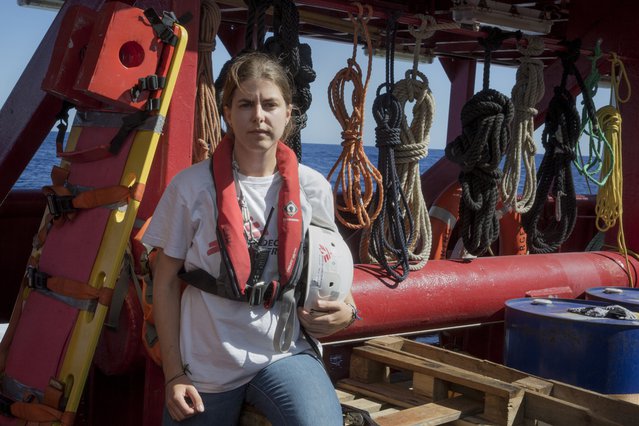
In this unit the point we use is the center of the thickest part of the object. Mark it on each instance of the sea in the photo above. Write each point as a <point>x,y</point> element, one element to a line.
<point>321,157</point>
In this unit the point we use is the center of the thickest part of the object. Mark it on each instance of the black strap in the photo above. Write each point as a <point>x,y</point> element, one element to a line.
<point>256,294</point>
<point>129,124</point>
<point>201,279</point>
<point>163,27</point>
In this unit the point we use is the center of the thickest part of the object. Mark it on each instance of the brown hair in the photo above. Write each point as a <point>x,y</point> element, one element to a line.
<point>257,65</point>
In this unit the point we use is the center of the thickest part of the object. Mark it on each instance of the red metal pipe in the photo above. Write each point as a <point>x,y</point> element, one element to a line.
<point>457,292</point>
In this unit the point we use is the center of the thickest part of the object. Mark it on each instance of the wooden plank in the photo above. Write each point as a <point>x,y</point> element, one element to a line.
<point>455,359</point>
<point>435,413</point>
<point>622,412</point>
<point>362,368</point>
<point>559,413</point>
<point>344,396</point>
<point>504,411</point>
<point>364,404</point>
<point>384,412</point>
<point>423,384</point>
<point>395,394</point>
<point>387,356</point>
<point>535,384</point>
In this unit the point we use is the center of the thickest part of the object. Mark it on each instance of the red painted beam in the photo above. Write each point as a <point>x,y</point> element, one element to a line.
<point>447,292</point>
<point>29,113</point>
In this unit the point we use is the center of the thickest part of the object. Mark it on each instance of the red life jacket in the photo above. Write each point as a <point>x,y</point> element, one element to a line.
<point>230,226</point>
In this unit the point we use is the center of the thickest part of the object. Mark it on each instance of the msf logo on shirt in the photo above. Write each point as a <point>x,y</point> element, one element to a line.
<point>214,247</point>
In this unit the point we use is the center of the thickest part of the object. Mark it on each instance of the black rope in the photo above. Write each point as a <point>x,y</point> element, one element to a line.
<point>478,150</point>
<point>559,139</point>
<point>284,45</point>
<point>295,57</point>
<point>388,114</point>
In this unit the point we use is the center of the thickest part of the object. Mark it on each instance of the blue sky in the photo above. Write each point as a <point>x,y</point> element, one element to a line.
<point>24,27</point>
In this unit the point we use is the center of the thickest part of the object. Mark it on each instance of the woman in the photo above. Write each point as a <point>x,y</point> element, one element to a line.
<point>218,352</point>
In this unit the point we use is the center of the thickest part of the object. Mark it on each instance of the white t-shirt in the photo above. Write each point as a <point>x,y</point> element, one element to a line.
<point>224,342</point>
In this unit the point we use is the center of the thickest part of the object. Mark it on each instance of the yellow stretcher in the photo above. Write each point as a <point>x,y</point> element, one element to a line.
<point>72,357</point>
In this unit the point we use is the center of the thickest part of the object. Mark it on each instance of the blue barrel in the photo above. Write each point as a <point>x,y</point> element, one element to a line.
<point>544,339</point>
<point>625,296</point>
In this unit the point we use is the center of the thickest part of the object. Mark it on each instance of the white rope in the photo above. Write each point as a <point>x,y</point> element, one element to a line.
<point>414,88</point>
<point>527,92</point>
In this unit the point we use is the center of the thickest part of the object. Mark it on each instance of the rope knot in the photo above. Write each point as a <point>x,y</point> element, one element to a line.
<point>206,47</point>
<point>387,137</point>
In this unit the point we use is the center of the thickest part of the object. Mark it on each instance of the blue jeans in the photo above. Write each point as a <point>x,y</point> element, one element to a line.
<point>294,391</point>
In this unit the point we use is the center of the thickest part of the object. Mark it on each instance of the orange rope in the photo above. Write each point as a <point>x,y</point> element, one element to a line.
<point>207,121</point>
<point>355,166</point>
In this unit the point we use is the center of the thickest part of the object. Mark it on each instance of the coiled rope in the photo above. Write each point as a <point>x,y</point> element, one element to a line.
<point>486,119</point>
<point>526,94</point>
<point>207,123</point>
<point>296,59</point>
<point>598,145</point>
<point>559,139</point>
<point>253,40</point>
<point>389,239</point>
<point>609,205</point>
<point>351,209</point>
<point>414,145</point>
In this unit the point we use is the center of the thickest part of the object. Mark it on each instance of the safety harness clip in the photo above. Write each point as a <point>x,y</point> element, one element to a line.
<point>60,204</point>
<point>36,280</point>
<point>262,293</point>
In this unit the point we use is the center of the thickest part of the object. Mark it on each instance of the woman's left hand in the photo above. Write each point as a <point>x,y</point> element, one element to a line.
<point>326,318</point>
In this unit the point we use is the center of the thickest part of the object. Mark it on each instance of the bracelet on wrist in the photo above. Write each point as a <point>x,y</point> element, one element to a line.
<point>185,370</point>
<point>180,374</point>
<point>354,315</point>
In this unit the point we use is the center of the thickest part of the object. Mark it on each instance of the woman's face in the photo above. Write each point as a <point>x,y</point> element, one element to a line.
<point>258,115</point>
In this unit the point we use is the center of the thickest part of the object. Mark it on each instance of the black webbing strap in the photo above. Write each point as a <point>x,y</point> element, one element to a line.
<point>201,279</point>
<point>121,289</point>
<point>163,27</point>
<point>129,124</point>
<point>151,83</point>
<point>256,294</point>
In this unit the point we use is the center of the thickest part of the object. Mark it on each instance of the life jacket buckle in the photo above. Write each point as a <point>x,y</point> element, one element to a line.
<point>256,293</point>
<point>36,280</point>
<point>272,292</point>
<point>60,204</point>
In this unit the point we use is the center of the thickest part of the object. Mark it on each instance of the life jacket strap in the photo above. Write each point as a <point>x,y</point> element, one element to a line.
<point>260,293</point>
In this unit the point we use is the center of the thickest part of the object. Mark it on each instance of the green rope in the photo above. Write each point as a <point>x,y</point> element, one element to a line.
<point>590,167</point>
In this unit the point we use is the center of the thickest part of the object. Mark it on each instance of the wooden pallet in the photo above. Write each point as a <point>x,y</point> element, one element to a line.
<point>400,382</point>
<point>410,383</point>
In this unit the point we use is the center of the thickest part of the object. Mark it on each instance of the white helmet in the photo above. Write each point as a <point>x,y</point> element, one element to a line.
<point>329,268</point>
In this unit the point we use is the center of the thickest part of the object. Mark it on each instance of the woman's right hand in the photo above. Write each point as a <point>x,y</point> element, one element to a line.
<point>182,399</point>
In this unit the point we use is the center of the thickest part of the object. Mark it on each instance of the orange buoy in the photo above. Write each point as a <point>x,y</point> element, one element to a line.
<point>444,214</point>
